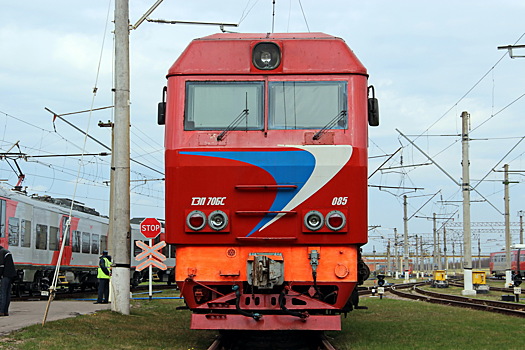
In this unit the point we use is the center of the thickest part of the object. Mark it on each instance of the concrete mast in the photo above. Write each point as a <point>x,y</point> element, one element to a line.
<point>508,240</point>
<point>465,186</point>
<point>121,239</point>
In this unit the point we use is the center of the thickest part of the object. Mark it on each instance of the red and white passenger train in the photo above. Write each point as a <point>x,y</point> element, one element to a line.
<point>266,179</point>
<point>32,228</point>
<point>498,262</point>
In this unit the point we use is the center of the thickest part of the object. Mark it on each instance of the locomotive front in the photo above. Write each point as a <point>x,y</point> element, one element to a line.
<point>266,179</point>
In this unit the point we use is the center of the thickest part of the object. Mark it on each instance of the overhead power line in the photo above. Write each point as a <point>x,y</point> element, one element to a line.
<point>55,115</point>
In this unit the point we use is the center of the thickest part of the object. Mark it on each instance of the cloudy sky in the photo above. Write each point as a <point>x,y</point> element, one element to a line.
<point>428,61</point>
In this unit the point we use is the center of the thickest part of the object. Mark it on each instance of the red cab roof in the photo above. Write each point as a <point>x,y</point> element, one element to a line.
<point>302,53</point>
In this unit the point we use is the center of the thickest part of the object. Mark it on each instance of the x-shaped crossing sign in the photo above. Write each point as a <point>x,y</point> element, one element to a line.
<point>153,255</point>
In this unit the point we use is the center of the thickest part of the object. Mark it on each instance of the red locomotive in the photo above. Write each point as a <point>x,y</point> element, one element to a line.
<point>266,179</point>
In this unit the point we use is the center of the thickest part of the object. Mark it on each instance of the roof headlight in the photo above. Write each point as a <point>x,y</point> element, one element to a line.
<point>266,56</point>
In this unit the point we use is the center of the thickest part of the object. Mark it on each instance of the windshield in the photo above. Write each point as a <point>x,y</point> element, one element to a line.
<point>215,105</point>
<point>307,105</point>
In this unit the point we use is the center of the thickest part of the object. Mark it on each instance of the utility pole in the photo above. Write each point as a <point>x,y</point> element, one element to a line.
<point>121,164</point>
<point>416,262</point>
<point>465,185</point>
<point>375,261</point>
<point>434,252</point>
<point>520,213</point>
<point>388,258</point>
<point>396,253</point>
<point>508,240</point>
<point>422,262</point>
<point>445,247</point>
<point>405,239</point>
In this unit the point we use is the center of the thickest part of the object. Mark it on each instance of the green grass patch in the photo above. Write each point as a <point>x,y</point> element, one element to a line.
<point>387,324</point>
<point>399,324</point>
<point>152,324</point>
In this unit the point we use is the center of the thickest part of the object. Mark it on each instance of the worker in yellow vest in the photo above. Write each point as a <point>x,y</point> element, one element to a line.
<point>103,275</point>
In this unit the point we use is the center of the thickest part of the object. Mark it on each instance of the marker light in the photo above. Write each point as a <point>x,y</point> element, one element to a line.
<point>335,220</point>
<point>196,220</point>
<point>313,220</point>
<point>266,55</point>
<point>218,220</point>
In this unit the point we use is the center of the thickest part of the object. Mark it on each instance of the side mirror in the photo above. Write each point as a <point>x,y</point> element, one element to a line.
<point>373,108</point>
<point>161,109</point>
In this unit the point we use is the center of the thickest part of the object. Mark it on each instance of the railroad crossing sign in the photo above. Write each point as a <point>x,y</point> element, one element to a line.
<point>150,227</point>
<point>152,253</point>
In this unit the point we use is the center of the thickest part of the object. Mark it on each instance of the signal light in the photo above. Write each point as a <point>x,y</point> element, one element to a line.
<point>218,220</point>
<point>335,220</point>
<point>517,280</point>
<point>381,280</point>
<point>313,220</point>
<point>196,220</point>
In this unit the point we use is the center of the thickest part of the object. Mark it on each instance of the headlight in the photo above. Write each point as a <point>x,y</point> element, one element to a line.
<point>218,220</point>
<point>266,56</point>
<point>313,220</point>
<point>196,220</point>
<point>335,220</point>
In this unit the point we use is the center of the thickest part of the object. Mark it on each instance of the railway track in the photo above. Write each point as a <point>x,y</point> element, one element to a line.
<point>495,289</point>
<point>281,340</point>
<point>465,302</point>
<point>368,290</point>
<point>293,340</point>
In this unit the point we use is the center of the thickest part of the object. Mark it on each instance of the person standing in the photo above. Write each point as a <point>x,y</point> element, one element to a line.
<point>103,275</point>
<point>7,274</point>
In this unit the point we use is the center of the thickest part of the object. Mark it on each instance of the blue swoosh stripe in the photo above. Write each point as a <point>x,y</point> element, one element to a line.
<point>286,167</point>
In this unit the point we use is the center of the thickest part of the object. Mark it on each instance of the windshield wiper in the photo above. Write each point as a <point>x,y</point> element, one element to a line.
<point>340,116</point>
<point>236,121</point>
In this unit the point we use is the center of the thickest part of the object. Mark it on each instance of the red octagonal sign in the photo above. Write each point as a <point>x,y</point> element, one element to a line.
<point>150,227</point>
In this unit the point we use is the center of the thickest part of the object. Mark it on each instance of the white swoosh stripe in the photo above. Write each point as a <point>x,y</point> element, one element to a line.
<point>329,160</point>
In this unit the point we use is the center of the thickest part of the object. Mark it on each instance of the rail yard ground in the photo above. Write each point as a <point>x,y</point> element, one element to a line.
<point>387,323</point>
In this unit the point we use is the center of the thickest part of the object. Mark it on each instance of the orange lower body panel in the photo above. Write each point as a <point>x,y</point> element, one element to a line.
<point>228,263</point>
<point>216,283</point>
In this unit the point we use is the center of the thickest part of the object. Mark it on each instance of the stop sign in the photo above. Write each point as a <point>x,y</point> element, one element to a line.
<point>150,227</point>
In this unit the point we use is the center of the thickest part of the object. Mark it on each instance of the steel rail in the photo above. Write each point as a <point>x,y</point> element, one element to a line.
<point>465,302</point>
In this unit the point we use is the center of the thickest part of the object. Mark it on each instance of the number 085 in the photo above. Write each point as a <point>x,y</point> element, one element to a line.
<point>339,200</point>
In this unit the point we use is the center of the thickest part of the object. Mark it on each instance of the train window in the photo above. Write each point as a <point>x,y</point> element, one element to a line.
<point>307,105</point>
<point>172,250</point>
<point>41,236</point>
<point>103,243</point>
<point>136,249</point>
<point>14,231</point>
<point>54,238</point>
<point>66,228</point>
<point>222,105</point>
<point>2,218</point>
<point>76,242</point>
<point>85,242</point>
<point>95,243</point>
<point>25,233</point>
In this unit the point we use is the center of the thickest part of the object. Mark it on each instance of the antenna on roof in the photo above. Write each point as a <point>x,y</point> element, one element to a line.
<point>273,16</point>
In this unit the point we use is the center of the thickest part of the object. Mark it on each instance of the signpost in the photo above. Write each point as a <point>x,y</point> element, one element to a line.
<point>150,228</point>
